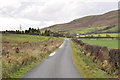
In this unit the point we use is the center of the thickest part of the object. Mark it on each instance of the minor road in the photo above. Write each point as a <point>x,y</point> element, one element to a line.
<point>58,64</point>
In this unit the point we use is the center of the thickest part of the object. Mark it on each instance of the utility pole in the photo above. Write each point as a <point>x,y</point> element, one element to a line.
<point>20,27</point>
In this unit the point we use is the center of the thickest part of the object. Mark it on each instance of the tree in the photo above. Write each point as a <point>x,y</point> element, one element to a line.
<point>47,33</point>
<point>42,34</point>
<point>26,31</point>
<point>29,29</point>
<point>38,31</point>
<point>30,32</point>
<point>18,32</point>
<point>22,32</point>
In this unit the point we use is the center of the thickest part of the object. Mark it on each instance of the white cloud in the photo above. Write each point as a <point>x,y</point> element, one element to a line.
<point>11,23</point>
<point>11,3</point>
<point>43,13</point>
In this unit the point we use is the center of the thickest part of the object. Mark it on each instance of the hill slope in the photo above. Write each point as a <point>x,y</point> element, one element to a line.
<point>107,19</point>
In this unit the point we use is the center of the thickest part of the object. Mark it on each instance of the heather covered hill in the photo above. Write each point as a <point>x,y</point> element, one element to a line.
<point>106,19</point>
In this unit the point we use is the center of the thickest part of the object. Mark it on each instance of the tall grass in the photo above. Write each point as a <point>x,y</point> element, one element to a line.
<point>31,53</point>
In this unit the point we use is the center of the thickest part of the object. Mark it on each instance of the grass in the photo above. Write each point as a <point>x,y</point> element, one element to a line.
<point>107,42</point>
<point>32,52</point>
<point>27,68</point>
<point>102,35</point>
<point>86,67</point>
<point>24,38</point>
<point>93,29</point>
<point>111,29</point>
<point>24,69</point>
<point>87,29</point>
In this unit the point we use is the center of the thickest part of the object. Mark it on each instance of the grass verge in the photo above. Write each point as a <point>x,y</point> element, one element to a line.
<point>28,67</point>
<point>86,67</point>
<point>31,52</point>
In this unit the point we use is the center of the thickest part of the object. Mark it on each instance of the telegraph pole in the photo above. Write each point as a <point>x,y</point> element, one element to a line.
<point>20,27</point>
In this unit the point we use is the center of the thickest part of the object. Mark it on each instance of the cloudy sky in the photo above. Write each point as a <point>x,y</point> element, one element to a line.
<point>43,13</point>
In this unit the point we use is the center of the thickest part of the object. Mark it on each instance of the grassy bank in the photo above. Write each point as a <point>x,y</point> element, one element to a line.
<point>32,50</point>
<point>86,67</point>
<point>106,42</point>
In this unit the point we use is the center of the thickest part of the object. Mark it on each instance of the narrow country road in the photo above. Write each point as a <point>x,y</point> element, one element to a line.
<point>59,64</point>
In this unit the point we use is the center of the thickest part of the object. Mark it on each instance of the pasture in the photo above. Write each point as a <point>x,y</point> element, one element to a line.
<point>24,38</point>
<point>102,42</point>
<point>94,29</point>
<point>101,35</point>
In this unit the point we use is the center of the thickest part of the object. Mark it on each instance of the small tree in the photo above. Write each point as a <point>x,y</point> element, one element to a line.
<point>38,31</point>
<point>30,32</point>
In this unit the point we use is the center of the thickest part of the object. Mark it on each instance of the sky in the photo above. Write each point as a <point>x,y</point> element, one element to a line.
<point>44,13</point>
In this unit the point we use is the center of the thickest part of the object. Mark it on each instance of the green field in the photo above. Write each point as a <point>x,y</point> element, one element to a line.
<point>87,29</point>
<point>107,42</point>
<point>24,38</point>
<point>102,35</point>
<point>93,29</point>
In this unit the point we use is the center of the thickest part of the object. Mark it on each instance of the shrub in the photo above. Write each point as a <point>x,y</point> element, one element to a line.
<point>109,60</point>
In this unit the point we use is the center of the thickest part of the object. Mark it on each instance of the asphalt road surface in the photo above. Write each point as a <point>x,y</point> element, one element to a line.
<point>58,64</point>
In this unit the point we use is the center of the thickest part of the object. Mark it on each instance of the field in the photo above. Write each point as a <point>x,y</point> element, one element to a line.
<point>87,29</point>
<point>24,38</point>
<point>102,35</point>
<point>22,52</point>
<point>102,42</point>
<point>86,67</point>
<point>94,29</point>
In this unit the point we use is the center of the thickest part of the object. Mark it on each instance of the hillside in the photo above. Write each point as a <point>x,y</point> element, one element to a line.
<point>106,19</point>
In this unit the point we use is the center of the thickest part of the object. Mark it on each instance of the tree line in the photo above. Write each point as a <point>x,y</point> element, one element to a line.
<point>33,31</point>
<point>29,31</point>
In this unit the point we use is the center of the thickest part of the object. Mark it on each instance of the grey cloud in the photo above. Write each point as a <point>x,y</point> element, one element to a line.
<point>55,11</point>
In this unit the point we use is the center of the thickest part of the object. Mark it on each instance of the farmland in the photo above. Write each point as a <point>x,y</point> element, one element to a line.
<point>101,35</point>
<point>22,52</point>
<point>24,38</point>
<point>94,29</point>
<point>102,42</point>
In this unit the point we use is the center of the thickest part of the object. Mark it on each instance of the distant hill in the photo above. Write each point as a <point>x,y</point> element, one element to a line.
<point>106,19</point>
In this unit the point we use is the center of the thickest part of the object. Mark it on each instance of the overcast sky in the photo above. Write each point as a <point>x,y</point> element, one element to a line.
<point>43,13</point>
